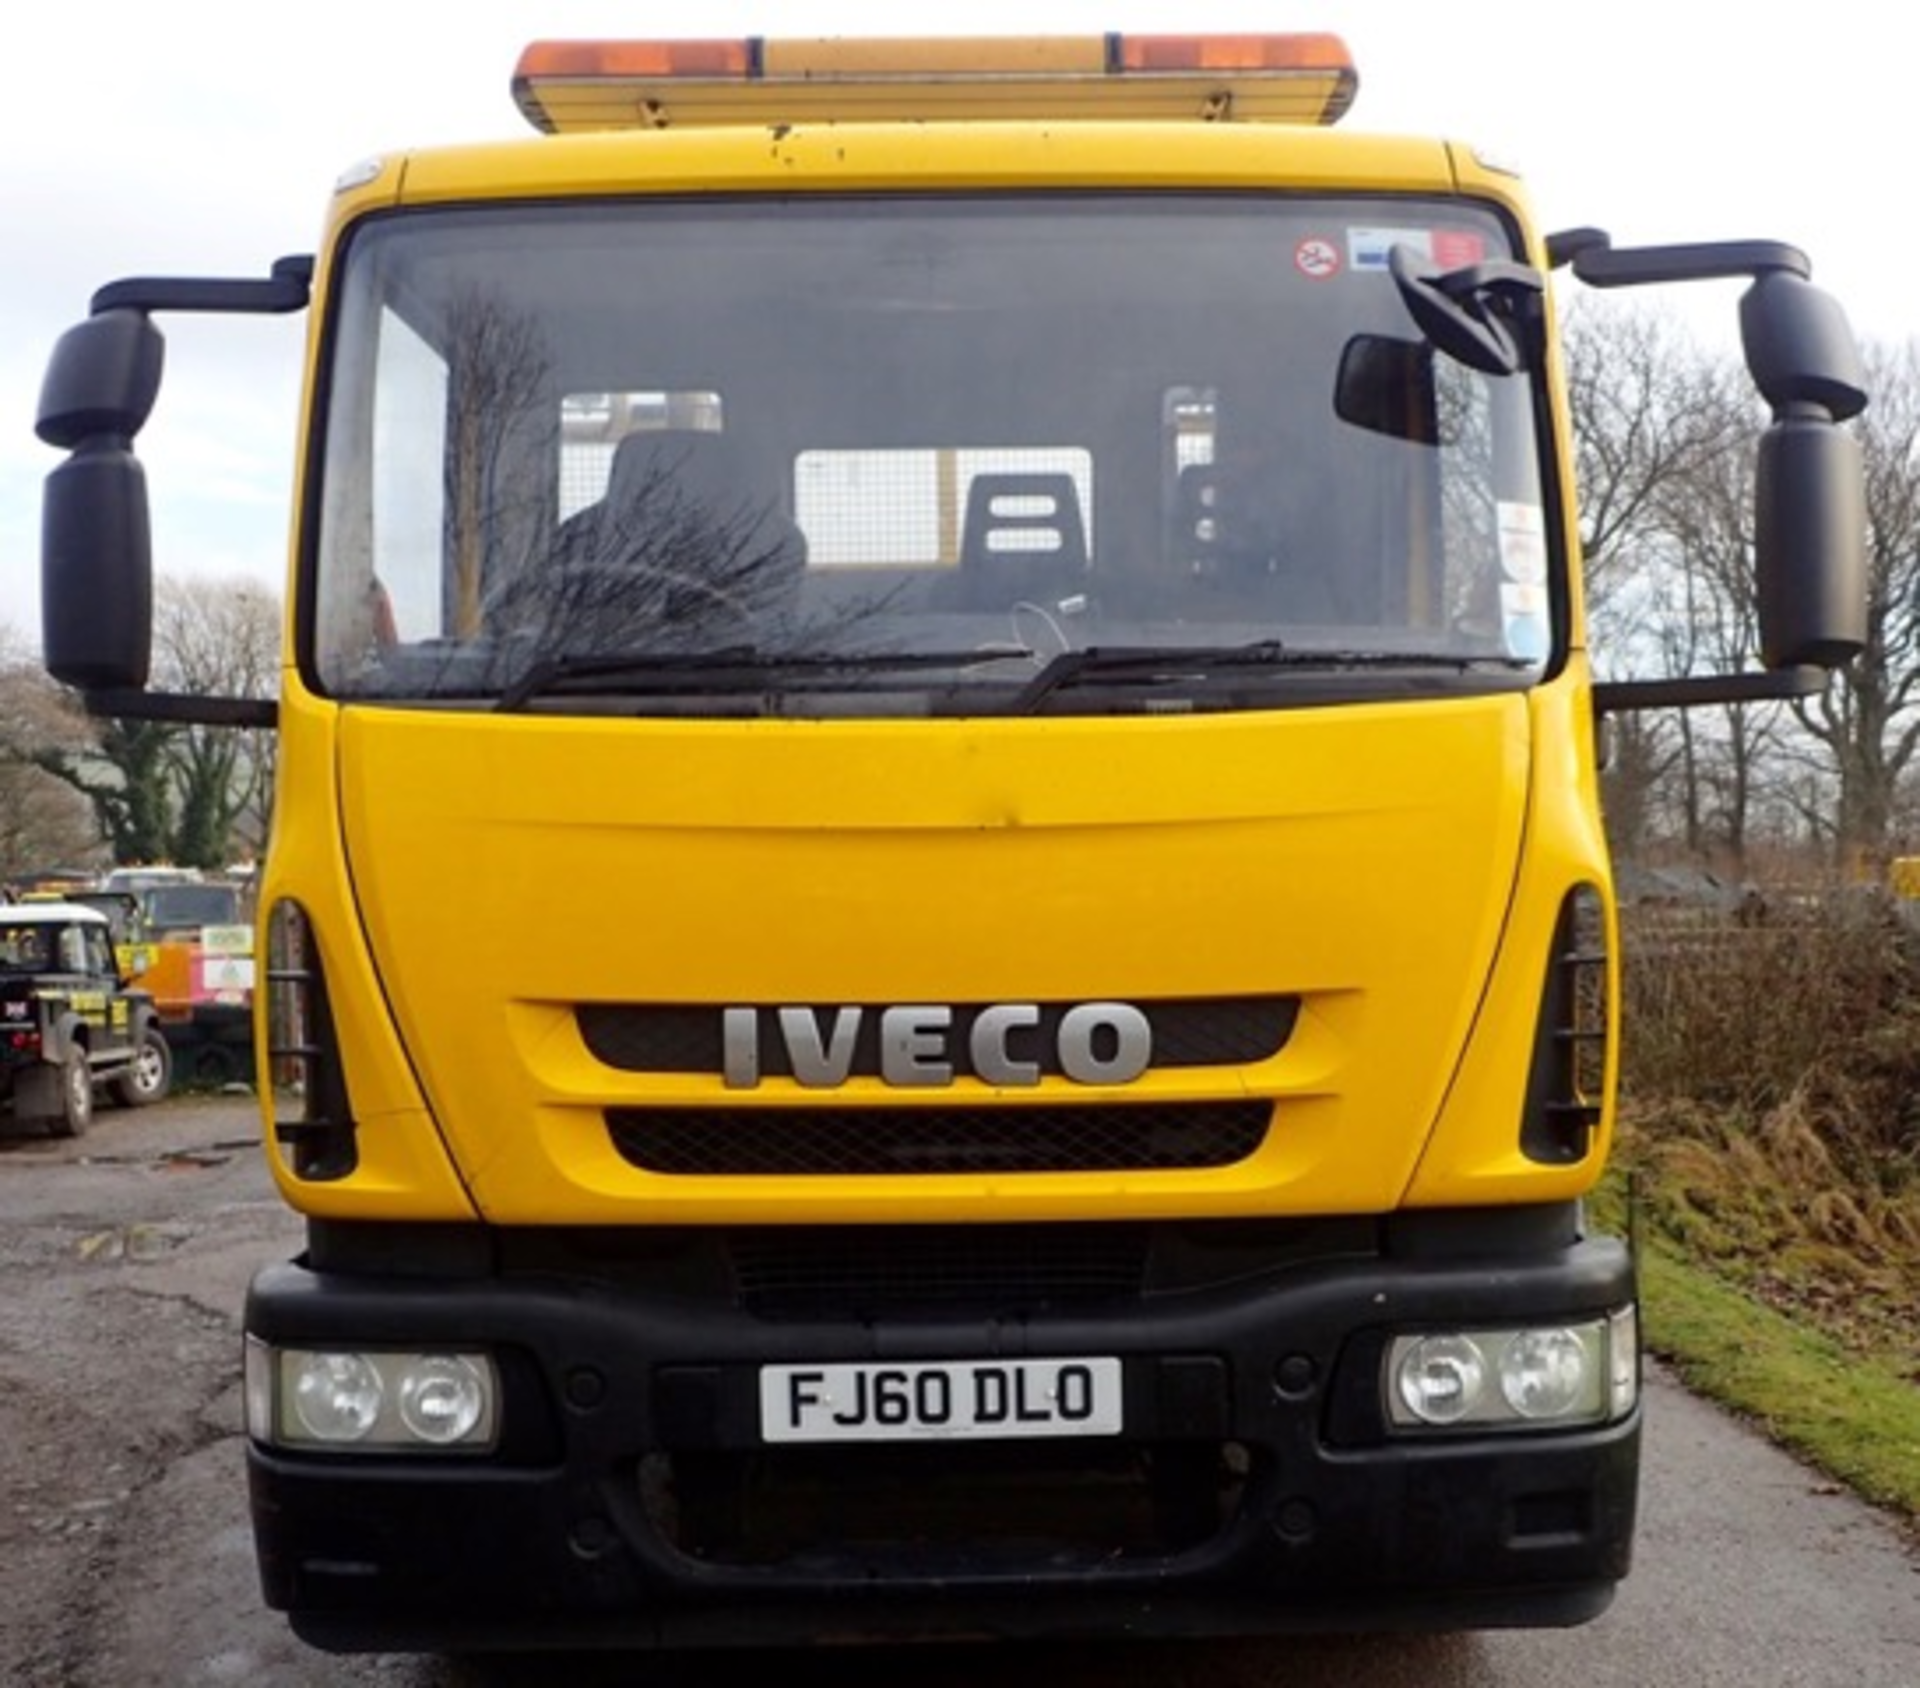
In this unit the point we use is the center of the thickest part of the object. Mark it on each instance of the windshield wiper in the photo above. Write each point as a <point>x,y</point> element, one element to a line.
<point>1169,664</point>
<point>738,668</point>
<point>731,668</point>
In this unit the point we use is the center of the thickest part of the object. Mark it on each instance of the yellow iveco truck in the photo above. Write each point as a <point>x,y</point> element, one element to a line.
<point>937,951</point>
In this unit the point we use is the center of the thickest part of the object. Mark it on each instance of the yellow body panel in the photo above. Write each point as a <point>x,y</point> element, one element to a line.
<point>509,869</point>
<point>472,878</point>
<point>403,1171</point>
<point>1474,1156</point>
<point>916,156</point>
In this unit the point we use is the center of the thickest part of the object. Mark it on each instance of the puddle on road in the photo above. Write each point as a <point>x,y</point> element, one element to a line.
<point>132,1244</point>
<point>199,1159</point>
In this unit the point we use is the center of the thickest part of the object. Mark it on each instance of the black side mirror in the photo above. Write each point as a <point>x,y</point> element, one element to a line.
<point>1810,545</point>
<point>1799,347</point>
<point>1810,516</point>
<point>1810,528</point>
<point>96,564</point>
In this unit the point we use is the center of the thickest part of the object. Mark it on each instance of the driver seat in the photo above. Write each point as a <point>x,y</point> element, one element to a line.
<point>681,496</point>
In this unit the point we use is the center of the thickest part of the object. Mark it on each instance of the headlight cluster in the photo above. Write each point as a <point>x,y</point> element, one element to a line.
<point>1523,1376</point>
<point>379,1402</point>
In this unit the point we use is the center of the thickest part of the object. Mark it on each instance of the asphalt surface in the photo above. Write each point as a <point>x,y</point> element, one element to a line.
<point>126,1560</point>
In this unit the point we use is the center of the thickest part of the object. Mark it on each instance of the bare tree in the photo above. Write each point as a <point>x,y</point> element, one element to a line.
<point>500,412</point>
<point>1665,438</point>
<point>1638,752</point>
<point>44,821</point>
<point>1708,513</point>
<point>169,791</point>
<point>1648,411</point>
<point>218,638</point>
<point>1652,419</point>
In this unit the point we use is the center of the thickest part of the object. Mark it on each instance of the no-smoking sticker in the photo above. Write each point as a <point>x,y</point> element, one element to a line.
<point>1316,259</point>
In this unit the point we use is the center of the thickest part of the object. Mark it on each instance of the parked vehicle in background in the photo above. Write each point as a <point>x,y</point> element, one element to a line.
<point>71,1025</point>
<point>188,941</point>
<point>122,909</point>
<point>182,910</point>
<point>194,951</point>
<point>144,876</point>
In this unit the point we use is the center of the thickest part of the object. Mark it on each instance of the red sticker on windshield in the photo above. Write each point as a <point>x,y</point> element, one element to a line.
<point>1455,249</point>
<point>1317,259</point>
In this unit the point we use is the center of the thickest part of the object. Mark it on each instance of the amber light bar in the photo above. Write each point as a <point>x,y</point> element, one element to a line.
<point>568,86</point>
<point>1326,54</point>
<point>602,61</point>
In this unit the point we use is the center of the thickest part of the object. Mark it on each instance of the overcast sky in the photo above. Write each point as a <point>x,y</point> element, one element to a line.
<point>202,137</point>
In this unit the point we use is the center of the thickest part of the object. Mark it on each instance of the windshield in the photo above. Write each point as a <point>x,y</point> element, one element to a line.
<point>192,905</point>
<point>27,948</point>
<point>902,456</point>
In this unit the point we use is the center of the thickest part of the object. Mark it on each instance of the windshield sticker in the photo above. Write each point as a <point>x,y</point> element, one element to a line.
<point>1523,621</point>
<point>1317,259</point>
<point>1523,543</point>
<point>1445,249</point>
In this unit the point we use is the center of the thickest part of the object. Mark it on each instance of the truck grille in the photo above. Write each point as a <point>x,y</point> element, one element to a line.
<point>832,1142</point>
<point>885,1271</point>
<point>1015,1513</point>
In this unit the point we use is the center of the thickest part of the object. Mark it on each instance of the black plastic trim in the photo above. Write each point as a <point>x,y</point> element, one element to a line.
<point>1337,1524</point>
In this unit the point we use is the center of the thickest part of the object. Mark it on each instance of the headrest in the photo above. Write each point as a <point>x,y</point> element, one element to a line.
<point>698,465</point>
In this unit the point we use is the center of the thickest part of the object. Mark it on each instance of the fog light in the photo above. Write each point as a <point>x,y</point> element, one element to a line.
<point>336,1397</point>
<point>1441,1379</point>
<point>1546,1374</point>
<point>442,1398</point>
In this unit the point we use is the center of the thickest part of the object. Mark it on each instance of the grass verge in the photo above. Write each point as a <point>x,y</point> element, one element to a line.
<point>1770,1128</point>
<point>1855,1418</point>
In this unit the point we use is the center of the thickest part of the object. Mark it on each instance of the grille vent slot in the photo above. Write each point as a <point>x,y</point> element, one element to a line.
<point>852,1142</point>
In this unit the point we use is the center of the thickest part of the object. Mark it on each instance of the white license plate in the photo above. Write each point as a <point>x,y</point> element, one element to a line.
<point>931,1401</point>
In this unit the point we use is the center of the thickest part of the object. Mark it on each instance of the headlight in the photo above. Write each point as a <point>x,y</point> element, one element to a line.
<point>374,1402</point>
<point>1550,1374</point>
<point>443,1399</point>
<point>1439,1379</point>
<point>335,1397</point>
<point>1584,1373</point>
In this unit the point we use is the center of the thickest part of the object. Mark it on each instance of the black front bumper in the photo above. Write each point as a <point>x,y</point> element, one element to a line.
<point>632,1503</point>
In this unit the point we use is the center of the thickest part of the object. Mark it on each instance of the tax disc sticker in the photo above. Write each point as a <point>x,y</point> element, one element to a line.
<point>1523,543</point>
<point>1445,249</point>
<point>1523,622</point>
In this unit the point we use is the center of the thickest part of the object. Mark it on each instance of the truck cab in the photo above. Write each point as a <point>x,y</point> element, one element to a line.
<point>938,955</point>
